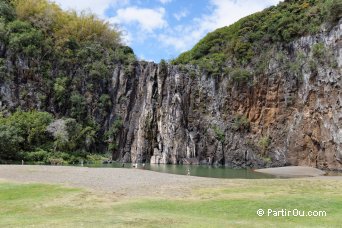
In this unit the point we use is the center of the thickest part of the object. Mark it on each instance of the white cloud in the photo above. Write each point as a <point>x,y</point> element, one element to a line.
<point>127,37</point>
<point>175,42</point>
<point>181,14</point>
<point>165,1</point>
<point>97,7</point>
<point>224,13</point>
<point>148,19</point>
<point>227,12</point>
<point>141,24</point>
<point>142,57</point>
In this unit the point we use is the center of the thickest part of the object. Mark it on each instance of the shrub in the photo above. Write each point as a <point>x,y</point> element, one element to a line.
<point>24,38</point>
<point>6,11</point>
<point>23,131</point>
<point>112,133</point>
<point>124,54</point>
<point>296,66</point>
<point>98,71</point>
<point>240,76</point>
<point>60,88</point>
<point>241,123</point>
<point>78,107</point>
<point>37,156</point>
<point>105,102</point>
<point>96,158</point>
<point>220,135</point>
<point>3,69</point>
<point>163,68</point>
<point>10,141</point>
<point>56,161</point>
<point>333,10</point>
<point>264,143</point>
<point>63,158</point>
<point>318,51</point>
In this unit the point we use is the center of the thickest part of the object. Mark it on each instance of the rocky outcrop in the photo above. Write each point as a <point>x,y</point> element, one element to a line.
<point>184,116</point>
<point>288,113</point>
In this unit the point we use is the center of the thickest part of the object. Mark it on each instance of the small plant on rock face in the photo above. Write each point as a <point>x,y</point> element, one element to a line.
<point>333,9</point>
<point>313,65</point>
<point>241,76</point>
<point>241,123</point>
<point>264,143</point>
<point>295,67</point>
<point>219,133</point>
<point>163,67</point>
<point>323,56</point>
<point>318,51</point>
<point>3,69</point>
<point>105,103</point>
<point>112,134</point>
<point>78,106</point>
<point>60,88</point>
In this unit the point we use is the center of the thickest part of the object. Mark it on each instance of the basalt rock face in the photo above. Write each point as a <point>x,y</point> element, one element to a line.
<point>294,106</point>
<point>291,109</point>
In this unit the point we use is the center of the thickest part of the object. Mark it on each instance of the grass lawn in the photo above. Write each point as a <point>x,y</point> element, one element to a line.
<point>41,205</point>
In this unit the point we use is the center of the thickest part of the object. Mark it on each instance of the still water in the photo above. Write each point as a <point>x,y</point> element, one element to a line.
<point>195,170</point>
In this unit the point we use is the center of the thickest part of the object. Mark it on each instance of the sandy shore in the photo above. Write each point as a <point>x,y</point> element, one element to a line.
<point>293,171</point>
<point>123,182</point>
<point>131,182</point>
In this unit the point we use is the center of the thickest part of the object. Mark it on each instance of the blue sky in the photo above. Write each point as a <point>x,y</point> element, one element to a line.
<point>162,29</point>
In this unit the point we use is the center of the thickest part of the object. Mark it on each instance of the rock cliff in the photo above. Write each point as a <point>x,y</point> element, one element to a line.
<point>293,108</point>
<point>289,112</point>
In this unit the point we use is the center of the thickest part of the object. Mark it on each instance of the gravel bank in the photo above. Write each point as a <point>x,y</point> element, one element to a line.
<point>293,171</point>
<point>122,182</point>
<point>130,182</point>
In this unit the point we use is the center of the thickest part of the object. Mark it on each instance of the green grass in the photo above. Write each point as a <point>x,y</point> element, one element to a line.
<point>233,206</point>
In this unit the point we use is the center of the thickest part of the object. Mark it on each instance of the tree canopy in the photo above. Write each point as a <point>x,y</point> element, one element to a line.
<point>250,36</point>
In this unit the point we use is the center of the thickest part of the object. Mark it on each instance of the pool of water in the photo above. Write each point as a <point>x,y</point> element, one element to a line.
<point>195,170</point>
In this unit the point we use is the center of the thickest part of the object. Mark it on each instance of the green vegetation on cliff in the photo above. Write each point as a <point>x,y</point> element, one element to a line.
<point>63,62</point>
<point>70,58</point>
<point>36,137</point>
<point>21,132</point>
<point>65,28</point>
<point>236,45</point>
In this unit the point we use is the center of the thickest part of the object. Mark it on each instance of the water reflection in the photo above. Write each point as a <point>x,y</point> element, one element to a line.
<point>208,171</point>
<point>195,170</point>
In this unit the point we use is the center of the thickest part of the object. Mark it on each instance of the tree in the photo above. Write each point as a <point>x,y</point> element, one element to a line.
<point>63,25</point>
<point>6,11</point>
<point>333,11</point>
<point>23,38</point>
<point>78,107</point>
<point>60,89</point>
<point>23,131</point>
<point>71,136</point>
<point>10,141</point>
<point>105,103</point>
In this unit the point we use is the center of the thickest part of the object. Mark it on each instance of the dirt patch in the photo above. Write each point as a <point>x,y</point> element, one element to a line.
<point>293,171</point>
<point>121,182</point>
<point>127,183</point>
